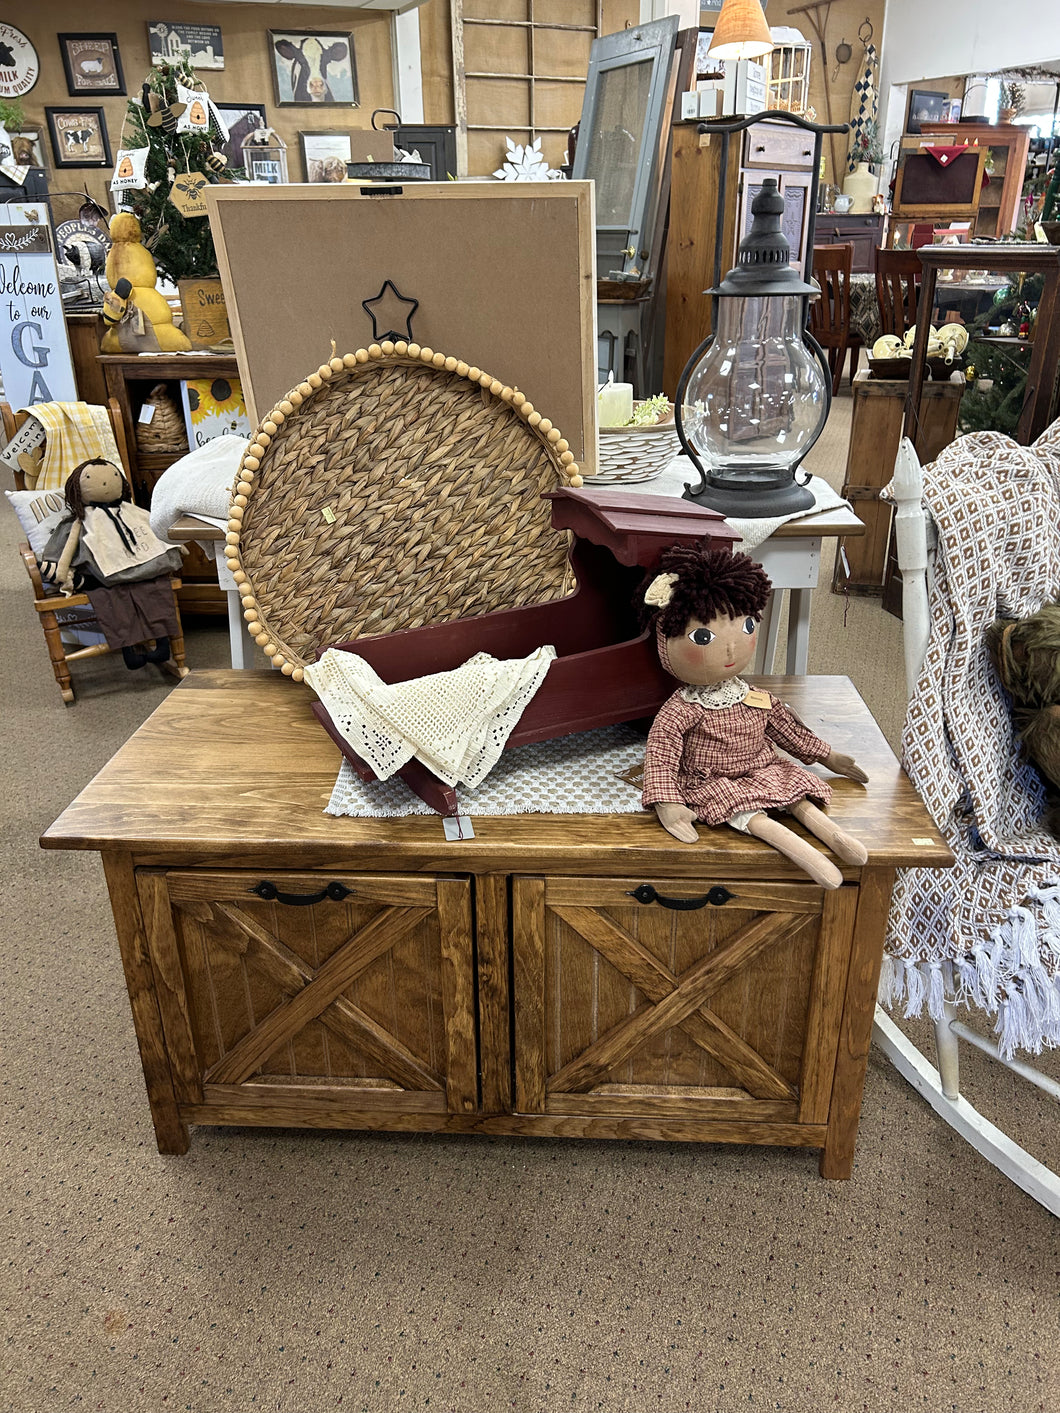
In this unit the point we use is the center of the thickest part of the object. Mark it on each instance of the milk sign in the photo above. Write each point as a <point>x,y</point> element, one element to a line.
<point>34,352</point>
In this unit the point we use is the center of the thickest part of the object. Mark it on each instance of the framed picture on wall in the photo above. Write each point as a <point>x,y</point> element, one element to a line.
<point>241,119</point>
<point>925,106</point>
<point>325,154</point>
<point>168,39</point>
<point>79,137</point>
<point>313,68</point>
<point>27,150</point>
<point>92,63</point>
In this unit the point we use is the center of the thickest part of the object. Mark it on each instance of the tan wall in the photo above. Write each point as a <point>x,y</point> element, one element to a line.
<point>246,77</point>
<point>831,97</point>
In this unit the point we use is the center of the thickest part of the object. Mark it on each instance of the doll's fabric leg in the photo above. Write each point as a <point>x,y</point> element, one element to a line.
<point>788,843</point>
<point>844,846</point>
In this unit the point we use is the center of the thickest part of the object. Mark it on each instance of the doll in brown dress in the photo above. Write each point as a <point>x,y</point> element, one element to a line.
<point>710,754</point>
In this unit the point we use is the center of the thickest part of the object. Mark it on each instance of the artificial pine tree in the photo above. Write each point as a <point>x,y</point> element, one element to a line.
<point>181,245</point>
<point>1004,365</point>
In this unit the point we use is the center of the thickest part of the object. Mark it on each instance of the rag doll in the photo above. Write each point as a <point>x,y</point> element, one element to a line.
<point>710,754</point>
<point>105,547</point>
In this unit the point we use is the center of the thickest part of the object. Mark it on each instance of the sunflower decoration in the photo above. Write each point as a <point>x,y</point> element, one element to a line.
<point>221,399</point>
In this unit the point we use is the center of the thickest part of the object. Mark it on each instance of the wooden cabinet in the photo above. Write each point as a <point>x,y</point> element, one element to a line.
<point>698,187</point>
<point>129,379</point>
<point>1008,144</point>
<point>569,976</point>
<point>865,233</point>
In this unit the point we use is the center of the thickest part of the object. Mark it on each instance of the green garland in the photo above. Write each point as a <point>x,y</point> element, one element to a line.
<point>182,246</point>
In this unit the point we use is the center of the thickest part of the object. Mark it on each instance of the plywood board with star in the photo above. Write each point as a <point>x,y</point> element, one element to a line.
<point>499,275</point>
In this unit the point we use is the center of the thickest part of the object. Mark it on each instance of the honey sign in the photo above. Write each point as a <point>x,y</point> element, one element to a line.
<point>196,117</point>
<point>205,316</point>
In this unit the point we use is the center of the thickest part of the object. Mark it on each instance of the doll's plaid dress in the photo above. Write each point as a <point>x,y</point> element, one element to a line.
<point>721,760</point>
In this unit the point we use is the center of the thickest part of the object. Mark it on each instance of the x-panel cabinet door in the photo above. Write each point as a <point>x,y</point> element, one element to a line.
<point>296,983</point>
<point>627,1005</point>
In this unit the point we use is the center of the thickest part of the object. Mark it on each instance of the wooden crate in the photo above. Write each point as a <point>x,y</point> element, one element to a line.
<point>205,315</point>
<point>875,432</point>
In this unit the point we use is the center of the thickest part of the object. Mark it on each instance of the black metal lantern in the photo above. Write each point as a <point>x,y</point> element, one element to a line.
<point>755,395</point>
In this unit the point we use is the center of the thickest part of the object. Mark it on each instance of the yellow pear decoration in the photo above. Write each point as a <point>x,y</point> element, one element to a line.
<point>150,316</point>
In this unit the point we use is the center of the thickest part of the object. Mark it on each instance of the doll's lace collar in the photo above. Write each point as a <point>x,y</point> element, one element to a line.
<point>722,694</point>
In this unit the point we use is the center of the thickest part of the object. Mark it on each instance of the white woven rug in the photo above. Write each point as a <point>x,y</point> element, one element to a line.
<point>578,774</point>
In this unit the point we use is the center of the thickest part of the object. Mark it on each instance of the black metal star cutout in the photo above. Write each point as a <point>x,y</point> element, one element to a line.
<point>393,307</point>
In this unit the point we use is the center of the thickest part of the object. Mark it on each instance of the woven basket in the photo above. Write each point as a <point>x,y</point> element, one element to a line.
<point>166,431</point>
<point>394,488</point>
<point>629,454</point>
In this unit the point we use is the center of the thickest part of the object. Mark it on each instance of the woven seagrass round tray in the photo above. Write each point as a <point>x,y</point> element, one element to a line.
<point>395,487</point>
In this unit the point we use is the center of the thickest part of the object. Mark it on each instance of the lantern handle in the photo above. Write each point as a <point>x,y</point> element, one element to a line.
<point>679,398</point>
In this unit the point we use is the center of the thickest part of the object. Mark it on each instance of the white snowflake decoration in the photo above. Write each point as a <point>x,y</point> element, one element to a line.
<point>526,164</point>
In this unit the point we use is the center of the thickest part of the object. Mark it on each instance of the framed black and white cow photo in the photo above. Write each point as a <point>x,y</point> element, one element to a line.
<point>79,137</point>
<point>313,68</point>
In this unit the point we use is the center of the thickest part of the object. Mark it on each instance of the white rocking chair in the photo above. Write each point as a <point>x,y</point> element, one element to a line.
<point>916,539</point>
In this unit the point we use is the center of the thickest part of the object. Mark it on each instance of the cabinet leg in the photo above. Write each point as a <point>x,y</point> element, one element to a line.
<point>855,1030</point>
<point>171,1132</point>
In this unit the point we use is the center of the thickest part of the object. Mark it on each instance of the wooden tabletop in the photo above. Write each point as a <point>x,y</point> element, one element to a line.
<point>232,770</point>
<point>825,524</point>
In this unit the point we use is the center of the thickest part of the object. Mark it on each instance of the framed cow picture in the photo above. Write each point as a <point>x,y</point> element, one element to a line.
<point>92,64</point>
<point>313,68</point>
<point>79,137</point>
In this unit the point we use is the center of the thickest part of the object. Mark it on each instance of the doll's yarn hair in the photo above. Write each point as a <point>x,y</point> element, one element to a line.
<point>709,583</point>
<point>74,498</point>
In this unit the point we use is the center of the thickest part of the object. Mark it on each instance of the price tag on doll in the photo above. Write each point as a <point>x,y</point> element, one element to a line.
<point>759,699</point>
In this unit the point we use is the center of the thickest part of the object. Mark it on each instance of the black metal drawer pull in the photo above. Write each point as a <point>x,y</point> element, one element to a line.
<point>335,891</point>
<point>717,897</point>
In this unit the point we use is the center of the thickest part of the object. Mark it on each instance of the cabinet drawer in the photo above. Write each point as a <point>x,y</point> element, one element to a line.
<point>710,999</point>
<point>768,146</point>
<point>286,993</point>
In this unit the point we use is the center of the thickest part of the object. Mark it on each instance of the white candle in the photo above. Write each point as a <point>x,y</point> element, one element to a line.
<point>614,404</point>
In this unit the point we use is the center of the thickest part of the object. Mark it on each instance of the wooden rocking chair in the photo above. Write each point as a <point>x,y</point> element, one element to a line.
<point>940,1084</point>
<point>63,615</point>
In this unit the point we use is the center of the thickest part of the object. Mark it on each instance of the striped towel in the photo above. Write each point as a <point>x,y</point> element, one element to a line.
<point>74,432</point>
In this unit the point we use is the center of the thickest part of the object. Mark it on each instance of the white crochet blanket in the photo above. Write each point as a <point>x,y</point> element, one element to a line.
<point>995,916</point>
<point>457,723</point>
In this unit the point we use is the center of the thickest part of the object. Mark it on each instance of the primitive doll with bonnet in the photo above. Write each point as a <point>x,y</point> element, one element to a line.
<point>104,546</point>
<point>710,754</point>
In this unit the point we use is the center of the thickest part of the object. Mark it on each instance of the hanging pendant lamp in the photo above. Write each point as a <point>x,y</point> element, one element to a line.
<point>741,31</point>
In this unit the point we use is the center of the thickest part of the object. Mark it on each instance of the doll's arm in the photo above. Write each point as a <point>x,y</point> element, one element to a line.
<point>785,728</point>
<point>662,762</point>
<point>845,765</point>
<point>63,576</point>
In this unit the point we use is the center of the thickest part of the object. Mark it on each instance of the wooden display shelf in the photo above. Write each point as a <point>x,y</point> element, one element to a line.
<point>1008,144</point>
<point>129,377</point>
<point>286,967</point>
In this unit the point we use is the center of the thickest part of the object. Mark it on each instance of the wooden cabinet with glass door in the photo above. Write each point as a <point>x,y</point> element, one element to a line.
<point>1008,143</point>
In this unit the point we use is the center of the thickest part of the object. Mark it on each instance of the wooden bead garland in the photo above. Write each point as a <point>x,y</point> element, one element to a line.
<point>272,424</point>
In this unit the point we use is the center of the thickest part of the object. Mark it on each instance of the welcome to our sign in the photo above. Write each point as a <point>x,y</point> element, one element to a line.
<point>35,357</point>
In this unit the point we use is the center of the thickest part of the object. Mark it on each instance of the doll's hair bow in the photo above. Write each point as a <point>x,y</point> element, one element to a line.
<point>661,590</point>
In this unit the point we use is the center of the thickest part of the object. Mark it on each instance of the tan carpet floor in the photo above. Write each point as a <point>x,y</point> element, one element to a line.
<point>302,1271</point>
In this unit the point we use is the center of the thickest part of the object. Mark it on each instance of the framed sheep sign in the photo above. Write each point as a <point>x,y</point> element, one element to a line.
<point>502,275</point>
<point>92,64</point>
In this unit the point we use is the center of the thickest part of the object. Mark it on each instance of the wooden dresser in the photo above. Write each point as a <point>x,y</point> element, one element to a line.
<point>568,975</point>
